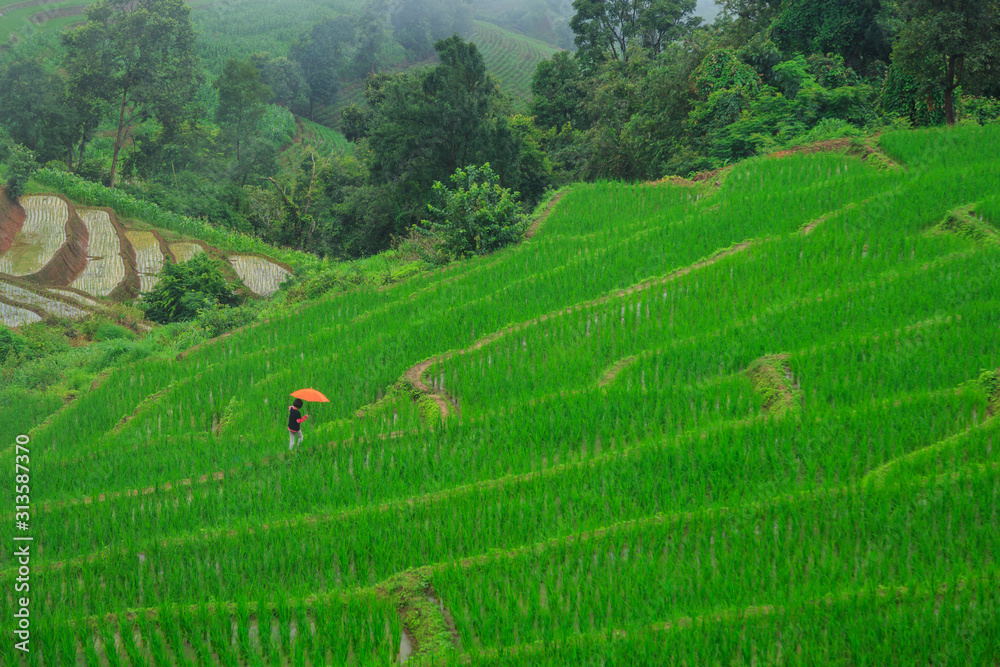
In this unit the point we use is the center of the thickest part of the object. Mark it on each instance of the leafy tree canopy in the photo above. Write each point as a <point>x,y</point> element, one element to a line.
<point>138,57</point>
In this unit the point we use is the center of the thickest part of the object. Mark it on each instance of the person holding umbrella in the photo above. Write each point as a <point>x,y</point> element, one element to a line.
<point>295,420</point>
<point>295,417</point>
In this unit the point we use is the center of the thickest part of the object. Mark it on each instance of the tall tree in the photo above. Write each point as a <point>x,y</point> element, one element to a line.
<point>447,117</point>
<point>945,43</point>
<point>242,100</point>
<point>321,53</point>
<point>138,54</point>
<point>558,92</point>
<point>607,29</point>
<point>35,110</point>
<point>285,79</point>
<point>372,23</point>
<point>858,30</point>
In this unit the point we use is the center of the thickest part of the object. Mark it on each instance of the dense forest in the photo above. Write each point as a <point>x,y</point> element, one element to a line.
<point>135,97</point>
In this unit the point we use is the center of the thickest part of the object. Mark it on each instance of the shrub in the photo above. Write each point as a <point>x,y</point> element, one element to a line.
<point>186,288</point>
<point>11,344</point>
<point>21,166</point>
<point>476,216</point>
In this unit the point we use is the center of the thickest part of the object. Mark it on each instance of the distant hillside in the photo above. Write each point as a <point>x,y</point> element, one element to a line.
<point>511,57</point>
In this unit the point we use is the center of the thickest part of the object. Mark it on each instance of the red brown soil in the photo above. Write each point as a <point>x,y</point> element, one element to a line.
<point>12,218</point>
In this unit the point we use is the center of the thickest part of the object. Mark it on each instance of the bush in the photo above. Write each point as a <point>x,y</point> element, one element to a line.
<point>11,344</point>
<point>21,166</point>
<point>217,321</point>
<point>186,288</point>
<point>477,216</point>
<point>109,331</point>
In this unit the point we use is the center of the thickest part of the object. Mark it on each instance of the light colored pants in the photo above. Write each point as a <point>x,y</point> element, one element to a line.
<point>291,439</point>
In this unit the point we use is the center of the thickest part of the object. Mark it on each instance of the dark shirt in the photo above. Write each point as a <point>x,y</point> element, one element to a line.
<point>294,418</point>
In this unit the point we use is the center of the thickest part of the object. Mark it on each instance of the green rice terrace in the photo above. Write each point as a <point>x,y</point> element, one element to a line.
<point>745,419</point>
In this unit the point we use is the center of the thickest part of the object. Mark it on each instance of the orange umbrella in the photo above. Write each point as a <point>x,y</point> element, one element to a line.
<point>311,395</point>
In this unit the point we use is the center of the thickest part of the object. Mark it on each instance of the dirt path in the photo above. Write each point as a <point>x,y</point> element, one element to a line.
<point>619,366</point>
<point>772,378</point>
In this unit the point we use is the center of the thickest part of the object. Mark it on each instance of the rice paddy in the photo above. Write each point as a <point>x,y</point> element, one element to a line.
<point>753,423</point>
<point>105,268</point>
<point>149,257</point>
<point>39,301</point>
<point>41,237</point>
<point>260,275</point>
<point>182,252</point>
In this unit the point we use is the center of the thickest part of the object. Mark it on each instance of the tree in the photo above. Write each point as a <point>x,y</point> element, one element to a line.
<point>285,79</point>
<point>417,24</point>
<point>857,30</point>
<point>21,166</point>
<point>372,24</point>
<point>242,102</point>
<point>430,123</point>
<point>946,44</point>
<point>138,54</point>
<point>186,288</point>
<point>321,53</point>
<point>607,29</point>
<point>476,215</point>
<point>35,110</point>
<point>558,93</point>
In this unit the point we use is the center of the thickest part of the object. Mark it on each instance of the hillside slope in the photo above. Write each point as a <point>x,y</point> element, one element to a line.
<point>680,423</point>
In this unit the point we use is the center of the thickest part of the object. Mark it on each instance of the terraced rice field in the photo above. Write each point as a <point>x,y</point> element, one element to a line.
<point>752,424</point>
<point>149,257</point>
<point>69,294</point>
<point>182,252</point>
<point>261,276</point>
<point>33,299</point>
<point>311,137</point>
<point>105,268</point>
<point>93,261</point>
<point>511,57</point>
<point>14,316</point>
<point>43,233</point>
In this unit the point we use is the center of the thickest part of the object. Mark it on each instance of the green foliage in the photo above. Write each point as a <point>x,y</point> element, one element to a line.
<point>475,216</point>
<point>616,29</point>
<point>21,166</point>
<point>135,58</point>
<point>185,289</point>
<point>111,331</point>
<point>418,24</point>
<point>558,92</point>
<point>11,344</point>
<point>859,31</point>
<point>220,319</point>
<point>35,110</point>
<point>242,100</point>
<point>321,53</point>
<point>945,46</point>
